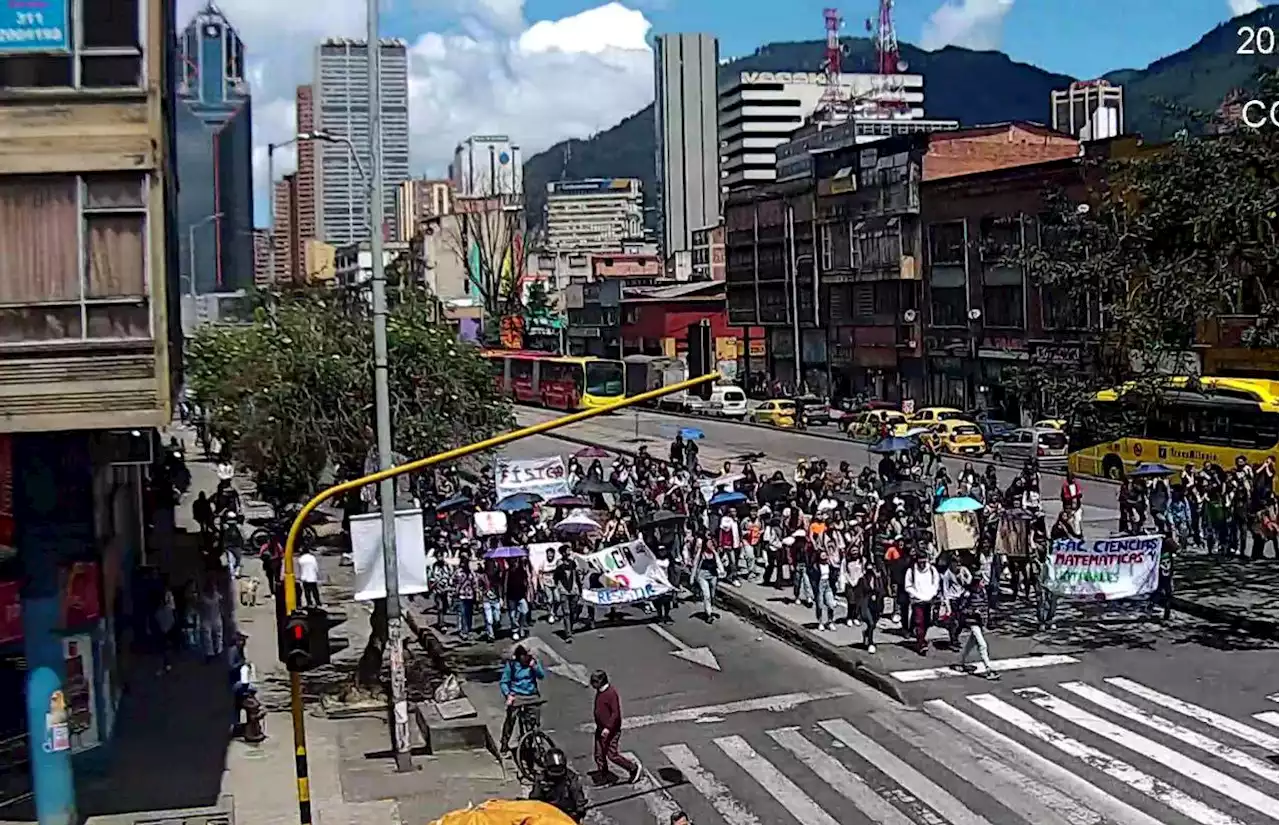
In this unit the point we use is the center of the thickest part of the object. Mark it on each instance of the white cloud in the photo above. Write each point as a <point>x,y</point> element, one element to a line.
<point>490,71</point>
<point>1239,7</point>
<point>974,24</point>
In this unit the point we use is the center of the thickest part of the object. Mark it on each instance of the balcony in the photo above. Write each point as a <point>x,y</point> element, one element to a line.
<point>84,335</point>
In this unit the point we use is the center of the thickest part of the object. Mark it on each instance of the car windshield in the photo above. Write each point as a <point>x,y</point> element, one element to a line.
<point>949,416</point>
<point>965,429</point>
<point>604,378</point>
<point>786,407</point>
<point>1053,440</point>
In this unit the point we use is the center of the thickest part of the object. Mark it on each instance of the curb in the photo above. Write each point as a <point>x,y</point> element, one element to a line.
<point>1257,628</point>
<point>841,658</point>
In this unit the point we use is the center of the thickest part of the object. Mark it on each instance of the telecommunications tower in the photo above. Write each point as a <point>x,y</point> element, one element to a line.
<point>890,97</point>
<point>834,106</point>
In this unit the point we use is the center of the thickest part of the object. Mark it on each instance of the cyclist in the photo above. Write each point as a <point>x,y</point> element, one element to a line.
<point>560,787</point>
<point>519,686</point>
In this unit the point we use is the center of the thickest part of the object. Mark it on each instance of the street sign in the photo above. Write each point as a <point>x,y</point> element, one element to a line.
<point>35,26</point>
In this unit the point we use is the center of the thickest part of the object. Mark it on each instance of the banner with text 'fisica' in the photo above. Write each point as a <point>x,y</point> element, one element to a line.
<point>546,477</point>
<point>1103,569</point>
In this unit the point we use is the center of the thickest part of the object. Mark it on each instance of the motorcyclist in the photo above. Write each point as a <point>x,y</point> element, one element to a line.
<point>560,786</point>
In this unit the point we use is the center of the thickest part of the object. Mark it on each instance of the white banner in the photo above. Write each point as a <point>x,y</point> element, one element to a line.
<point>628,573</point>
<point>1103,569</point>
<point>491,523</point>
<point>538,555</point>
<point>546,477</point>
<point>366,552</point>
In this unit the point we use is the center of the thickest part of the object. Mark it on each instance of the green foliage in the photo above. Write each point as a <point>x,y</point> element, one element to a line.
<point>538,302</point>
<point>291,393</point>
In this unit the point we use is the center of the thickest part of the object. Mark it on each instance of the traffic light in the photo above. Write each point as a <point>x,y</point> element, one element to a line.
<point>700,357</point>
<point>304,639</point>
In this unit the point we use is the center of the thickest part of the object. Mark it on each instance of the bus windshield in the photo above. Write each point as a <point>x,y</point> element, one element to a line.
<point>604,378</point>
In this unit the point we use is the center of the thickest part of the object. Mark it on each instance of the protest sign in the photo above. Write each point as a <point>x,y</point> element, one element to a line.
<point>1114,568</point>
<point>367,555</point>
<point>491,523</point>
<point>545,477</point>
<point>626,573</point>
<point>538,560</point>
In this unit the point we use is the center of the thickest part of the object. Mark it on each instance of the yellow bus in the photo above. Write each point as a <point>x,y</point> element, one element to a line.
<point>555,381</point>
<point>1193,421</point>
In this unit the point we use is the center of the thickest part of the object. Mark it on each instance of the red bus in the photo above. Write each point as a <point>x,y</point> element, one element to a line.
<point>556,381</point>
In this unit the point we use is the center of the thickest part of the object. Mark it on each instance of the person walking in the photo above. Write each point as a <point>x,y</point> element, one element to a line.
<point>708,570</point>
<point>309,576</point>
<point>608,718</point>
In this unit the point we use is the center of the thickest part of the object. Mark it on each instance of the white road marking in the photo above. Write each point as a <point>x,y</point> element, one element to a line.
<point>1269,717</point>
<point>951,809</point>
<point>786,792</point>
<point>1144,783</point>
<point>1034,801</point>
<point>1213,779</point>
<point>779,703</point>
<point>1275,697</point>
<point>656,799</point>
<point>697,655</point>
<point>1202,715</point>
<point>998,665</point>
<point>1174,731</point>
<point>846,783</point>
<point>712,789</point>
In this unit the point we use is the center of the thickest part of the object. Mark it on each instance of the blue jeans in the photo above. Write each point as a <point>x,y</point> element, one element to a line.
<point>824,604</point>
<point>466,608</point>
<point>492,616</point>
<point>707,587</point>
<point>518,610</point>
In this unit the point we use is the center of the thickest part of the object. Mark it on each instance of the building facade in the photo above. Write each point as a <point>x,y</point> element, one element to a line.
<point>90,360</point>
<point>262,274</point>
<point>214,119</point>
<point>308,182</point>
<point>341,92</point>
<point>687,141</point>
<point>707,253</point>
<point>760,111</point>
<point>596,215</point>
<point>419,200</point>
<point>487,166</point>
<point>1088,110</point>
<point>286,263</point>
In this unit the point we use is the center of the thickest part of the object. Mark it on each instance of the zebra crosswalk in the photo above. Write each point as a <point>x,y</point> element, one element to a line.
<point>1108,752</point>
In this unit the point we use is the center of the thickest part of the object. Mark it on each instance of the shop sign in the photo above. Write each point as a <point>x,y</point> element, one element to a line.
<point>1057,354</point>
<point>81,701</point>
<point>756,349</point>
<point>35,27</point>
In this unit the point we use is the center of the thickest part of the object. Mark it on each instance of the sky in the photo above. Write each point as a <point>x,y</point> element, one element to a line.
<point>545,70</point>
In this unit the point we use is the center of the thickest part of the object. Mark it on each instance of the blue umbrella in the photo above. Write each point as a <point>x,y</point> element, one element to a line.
<point>518,502</point>
<point>1151,471</point>
<point>726,497</point>
<point>455,503</point>
<point>892,444</point>
<point>959,504</point>
<point>691,433</point>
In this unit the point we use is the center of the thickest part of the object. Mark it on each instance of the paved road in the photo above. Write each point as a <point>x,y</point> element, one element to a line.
<point>1160,728</point>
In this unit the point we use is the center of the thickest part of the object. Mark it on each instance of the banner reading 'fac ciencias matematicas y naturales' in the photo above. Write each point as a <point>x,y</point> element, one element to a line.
<point>1114,568</point>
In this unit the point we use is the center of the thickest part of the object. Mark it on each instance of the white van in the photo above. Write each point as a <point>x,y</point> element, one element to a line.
<point>727,402</point>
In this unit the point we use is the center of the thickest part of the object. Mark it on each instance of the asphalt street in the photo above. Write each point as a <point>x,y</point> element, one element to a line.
<point>1135,724</point>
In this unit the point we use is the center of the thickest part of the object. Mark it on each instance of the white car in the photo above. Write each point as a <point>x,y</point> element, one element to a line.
<point>727,402</point>
<point>1044,443</point>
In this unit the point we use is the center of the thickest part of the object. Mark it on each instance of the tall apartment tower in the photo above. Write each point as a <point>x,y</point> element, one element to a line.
<point>308,195</point>
<point>341,108</point>
<point>1089,110</point>
<point>688,146</point>
<point>487,166</point>
<point>420,199</point>
<point>214,128</point>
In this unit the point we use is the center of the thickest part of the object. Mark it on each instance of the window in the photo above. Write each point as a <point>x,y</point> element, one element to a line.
<point>77,266</point>
<point>946,243</point>
<point>106,51</point>
<point>1003,287</point>
<point>824,235</point>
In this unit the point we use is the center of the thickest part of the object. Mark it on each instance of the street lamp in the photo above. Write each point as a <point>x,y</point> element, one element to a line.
<point>319,135</point>
<point>191,247</point>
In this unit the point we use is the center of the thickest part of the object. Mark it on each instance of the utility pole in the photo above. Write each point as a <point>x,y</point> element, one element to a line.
<point>398,706</point>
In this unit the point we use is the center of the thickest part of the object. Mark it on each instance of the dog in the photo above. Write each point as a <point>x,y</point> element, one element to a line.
<point>248,591</point>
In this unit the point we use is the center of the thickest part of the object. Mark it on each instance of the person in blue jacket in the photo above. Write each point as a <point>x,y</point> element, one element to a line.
<point>519,685</point>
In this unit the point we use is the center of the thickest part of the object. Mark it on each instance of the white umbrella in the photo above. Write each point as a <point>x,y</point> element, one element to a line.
<point>915,431</point>
<point>726,482</point>
<point>578,522</point>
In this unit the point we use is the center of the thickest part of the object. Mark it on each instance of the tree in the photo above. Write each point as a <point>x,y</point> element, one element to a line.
<point>1163,243</point>
<point>291,393</point>
<point>491,241</point>
<point>539,303</point>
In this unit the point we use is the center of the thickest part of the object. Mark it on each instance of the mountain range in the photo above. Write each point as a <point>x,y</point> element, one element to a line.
<point>973,87</point>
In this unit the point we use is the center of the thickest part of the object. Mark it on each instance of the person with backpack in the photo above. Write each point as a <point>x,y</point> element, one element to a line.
<point>568,587</point>
<point>519,685</point>
<point>729,540</point>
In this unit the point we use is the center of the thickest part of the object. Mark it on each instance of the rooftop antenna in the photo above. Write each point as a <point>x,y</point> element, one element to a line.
<point>890,94</point>
<point>833,107</point>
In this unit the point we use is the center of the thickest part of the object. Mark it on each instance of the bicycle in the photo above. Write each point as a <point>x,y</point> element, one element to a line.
<point>532,743</point>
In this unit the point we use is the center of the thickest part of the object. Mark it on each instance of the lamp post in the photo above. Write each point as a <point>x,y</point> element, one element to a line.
<point>191,250</point>
<point>271,188</point>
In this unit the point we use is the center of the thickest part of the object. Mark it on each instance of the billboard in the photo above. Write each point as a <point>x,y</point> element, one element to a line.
<point>585,187</point>
<point>35,26</point>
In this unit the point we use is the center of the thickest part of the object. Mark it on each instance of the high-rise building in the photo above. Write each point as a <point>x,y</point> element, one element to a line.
<point>308,194</point>
<point>487,166</point>
<point>1089,110</point>
<point>760,111</point>
<point>688,147</point>
<point>595,215</point>
<point>341,106</point>
<point>213,119</point>
<point>262,275</point>
<point>286,263</point>
<point>420,199</point>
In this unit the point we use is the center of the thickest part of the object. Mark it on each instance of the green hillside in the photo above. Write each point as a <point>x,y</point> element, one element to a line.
<point>973,87</point>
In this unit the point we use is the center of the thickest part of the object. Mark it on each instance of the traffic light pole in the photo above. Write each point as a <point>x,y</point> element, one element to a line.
<point>295,530</point>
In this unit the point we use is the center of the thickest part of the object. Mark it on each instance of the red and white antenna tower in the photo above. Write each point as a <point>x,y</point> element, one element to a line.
<point>890,94</point>
<point>834,105</point>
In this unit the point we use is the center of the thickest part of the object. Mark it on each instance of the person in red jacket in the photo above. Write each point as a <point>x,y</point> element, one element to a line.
<point>608,717</point>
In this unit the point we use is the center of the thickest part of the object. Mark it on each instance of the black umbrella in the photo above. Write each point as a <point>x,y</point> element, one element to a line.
<point>454,503</point>
<point>773,491</point>
<point>661,518</point>
<point>906,488</point>
<point>591,486</point>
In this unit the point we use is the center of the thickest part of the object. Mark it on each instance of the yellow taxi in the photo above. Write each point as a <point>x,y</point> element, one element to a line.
<point>779,412</point>
<point>927,416</point>
<point>956,437</point>
<point>1050,424</point>
<point>867,425</point>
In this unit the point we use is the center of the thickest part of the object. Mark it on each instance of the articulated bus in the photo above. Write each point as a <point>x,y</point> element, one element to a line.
<point>1193,421</point>
<point>559,382</point>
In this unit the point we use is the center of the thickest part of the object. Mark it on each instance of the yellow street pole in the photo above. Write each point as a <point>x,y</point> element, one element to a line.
<point>291,595</point>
